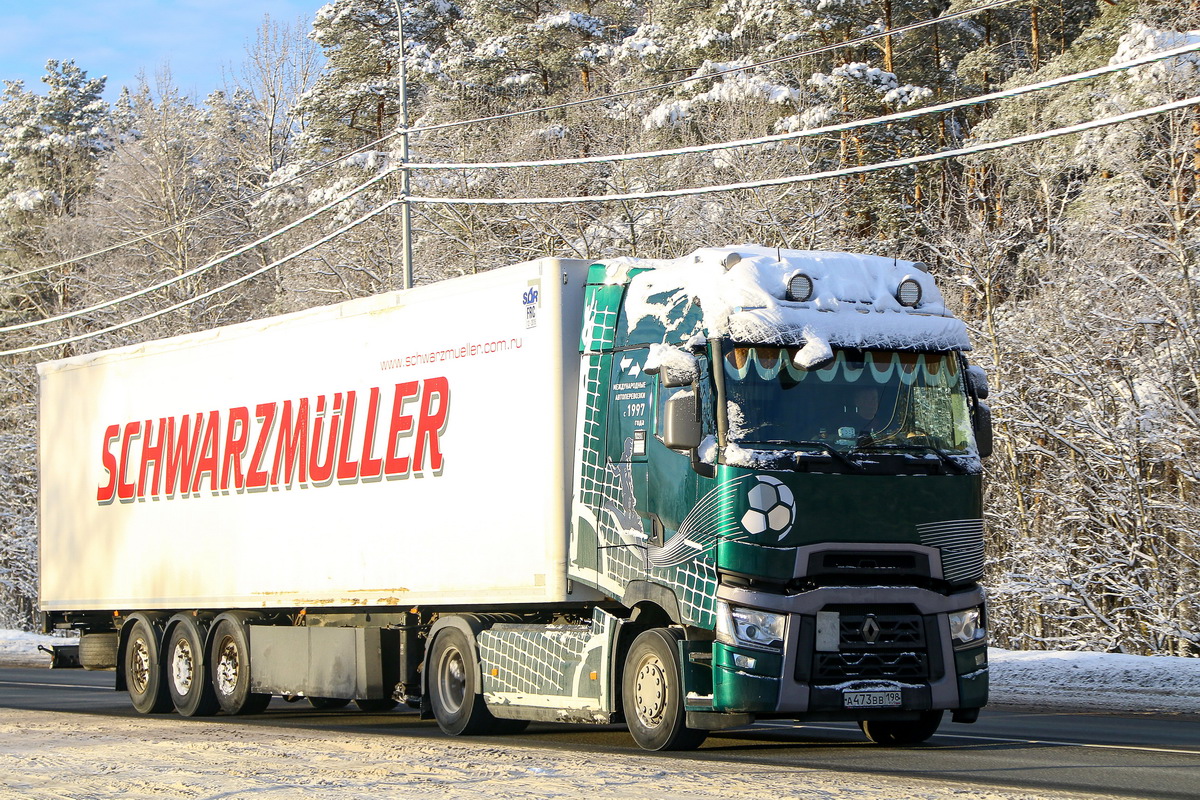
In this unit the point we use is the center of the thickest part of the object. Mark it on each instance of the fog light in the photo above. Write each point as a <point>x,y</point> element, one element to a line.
<point>744,662</point>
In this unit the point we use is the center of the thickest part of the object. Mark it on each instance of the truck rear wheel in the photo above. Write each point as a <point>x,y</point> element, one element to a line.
<point>144,670</point>
<point>454,692</point>
<point>187,673</point>
<point>902,732</point>
<point>652,694</point>
<point>230,665</point>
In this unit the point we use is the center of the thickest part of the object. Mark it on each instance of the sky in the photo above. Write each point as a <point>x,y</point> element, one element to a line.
<point>125,38</point>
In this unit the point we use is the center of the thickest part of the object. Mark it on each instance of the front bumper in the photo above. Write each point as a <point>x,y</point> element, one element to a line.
<point>909,651</point>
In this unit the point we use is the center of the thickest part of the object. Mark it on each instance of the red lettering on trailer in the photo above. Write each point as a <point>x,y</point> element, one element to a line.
<point>347,468</point>
<point>126,490</point>
<point>208,462</point>
<point>402,425</point>
<point>291,446</point>
<point>320,474</point>
<point>152,454</point>
<point>181,457</point>
<point>237,439</point>
<point>256,476</point>
<point>310,441</point>
<point>106,493</point>
<point>432,424</point>
<point>371,468</point>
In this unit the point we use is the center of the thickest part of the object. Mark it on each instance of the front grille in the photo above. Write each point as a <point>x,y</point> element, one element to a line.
<point>961,544</point>
<point>838,667</point>
<point>885,643</point>
<point>894,630</point>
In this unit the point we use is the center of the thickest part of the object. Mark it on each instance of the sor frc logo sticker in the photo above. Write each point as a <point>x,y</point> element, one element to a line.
<point>772,508</point>
<point>531,300</point>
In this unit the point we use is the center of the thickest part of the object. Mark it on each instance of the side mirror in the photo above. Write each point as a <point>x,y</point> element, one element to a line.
<point>681,421</point>
<point>675,366</point>
<point>977,382</point>
<point>983,430</point>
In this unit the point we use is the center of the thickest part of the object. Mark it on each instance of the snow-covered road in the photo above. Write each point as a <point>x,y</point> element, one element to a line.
<point>56,755</point>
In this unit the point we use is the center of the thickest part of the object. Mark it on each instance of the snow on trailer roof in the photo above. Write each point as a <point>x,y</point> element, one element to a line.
<point>853,300</point>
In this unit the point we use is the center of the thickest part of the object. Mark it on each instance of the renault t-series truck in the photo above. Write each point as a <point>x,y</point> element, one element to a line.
<point>683,494</point>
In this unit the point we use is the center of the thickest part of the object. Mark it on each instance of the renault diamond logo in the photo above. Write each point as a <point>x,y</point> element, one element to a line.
<point>869,629</point>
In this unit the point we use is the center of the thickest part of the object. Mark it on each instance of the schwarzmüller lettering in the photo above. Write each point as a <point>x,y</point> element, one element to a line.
<point>310,441</point>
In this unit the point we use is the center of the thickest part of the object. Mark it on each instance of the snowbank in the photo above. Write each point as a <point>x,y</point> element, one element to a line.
<point>20,649</point>
<point>1064,681</point>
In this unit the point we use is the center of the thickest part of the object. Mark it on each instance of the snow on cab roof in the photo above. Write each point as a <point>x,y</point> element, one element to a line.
<point>853,301</point>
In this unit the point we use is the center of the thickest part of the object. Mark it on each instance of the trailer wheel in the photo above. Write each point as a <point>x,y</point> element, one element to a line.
<point>230,660</point>
<point>652,694</point>
<point>187,673</point>
<point>454,694</point>
<point>902,732</point>
<point>144,670</point>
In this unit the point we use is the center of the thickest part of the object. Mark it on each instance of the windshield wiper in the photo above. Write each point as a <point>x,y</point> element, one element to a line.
<point>825,446</point>
<point>927,448</point>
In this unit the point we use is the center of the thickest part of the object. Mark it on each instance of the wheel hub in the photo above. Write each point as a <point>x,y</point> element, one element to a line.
<point>650,692</point>
<point>183,667</point>
<point>227,667</point>
<point>139,673</point>
<point>453,680</point>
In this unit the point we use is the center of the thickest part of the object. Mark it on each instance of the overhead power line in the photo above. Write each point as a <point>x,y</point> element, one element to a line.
<point>930,157</point>
<point>901,116</point>
<point>193,220</point>
<point>203,267</point>
<point>817,176</point>
<point>225,287</point>
<point>497,117</point>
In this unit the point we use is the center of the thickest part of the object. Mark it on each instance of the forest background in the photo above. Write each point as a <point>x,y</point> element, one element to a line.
<point>1075,260</point>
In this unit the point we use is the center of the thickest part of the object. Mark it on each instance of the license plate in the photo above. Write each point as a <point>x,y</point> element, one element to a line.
<point>888,699</point>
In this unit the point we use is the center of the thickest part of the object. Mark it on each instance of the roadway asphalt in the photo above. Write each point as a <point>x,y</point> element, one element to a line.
<point>1130,756</point>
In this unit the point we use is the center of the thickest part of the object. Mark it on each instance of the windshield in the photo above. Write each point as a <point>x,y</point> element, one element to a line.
<point>862,399</point>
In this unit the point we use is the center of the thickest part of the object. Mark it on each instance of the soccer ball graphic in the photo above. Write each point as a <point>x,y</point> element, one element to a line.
<point>772,508</point>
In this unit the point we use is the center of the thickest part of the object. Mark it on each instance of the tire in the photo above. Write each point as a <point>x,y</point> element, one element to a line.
<point>98,650</point>
<point>375,705</point>
<point>143,668</point>
<point>328,702</point>
<point>229,663</point>
<point>652,694</point>
<point>454,690</point>
<point>898,733</point>
<point>187,674</point>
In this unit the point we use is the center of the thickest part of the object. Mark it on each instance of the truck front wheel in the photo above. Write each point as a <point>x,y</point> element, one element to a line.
<point>902,732</point>
<point>230,664</point>
<point>143,670</point>
<point>652,694</point>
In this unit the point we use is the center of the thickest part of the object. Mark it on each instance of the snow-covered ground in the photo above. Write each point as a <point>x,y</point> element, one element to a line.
<point>45,754</point>
<point>49,755</point>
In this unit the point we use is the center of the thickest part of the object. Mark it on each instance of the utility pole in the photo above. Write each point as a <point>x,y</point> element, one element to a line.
<point>405,210</point>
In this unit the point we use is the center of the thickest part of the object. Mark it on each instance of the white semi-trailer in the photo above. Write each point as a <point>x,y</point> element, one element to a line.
<point>555,491</point>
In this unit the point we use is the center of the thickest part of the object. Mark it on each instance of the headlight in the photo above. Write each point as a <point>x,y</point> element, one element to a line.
<point>749,627</point>
<point>966,627</point>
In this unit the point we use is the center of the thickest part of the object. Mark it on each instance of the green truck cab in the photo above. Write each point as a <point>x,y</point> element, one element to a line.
<point>780,461</point>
